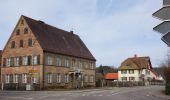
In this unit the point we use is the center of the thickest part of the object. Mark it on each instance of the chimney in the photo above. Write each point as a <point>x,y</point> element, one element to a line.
<point>71,32</point>
<point>135,55</point>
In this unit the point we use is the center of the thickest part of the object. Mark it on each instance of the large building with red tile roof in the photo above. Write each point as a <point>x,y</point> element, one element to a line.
<point>45,57</point>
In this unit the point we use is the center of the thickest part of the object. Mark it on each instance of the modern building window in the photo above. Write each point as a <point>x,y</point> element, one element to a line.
<point>49,60</point>
<point>123,71</point>
<point>66,62</point>
<point>66,78</point>
<point>17,61</point>
<point>30,42</point>
<point>21,43</point>
<point>18,32</point>
<point>13,44</point>
<point>16,78</point>
<point>24,78</point>
<point>124,78</point>
<point>58,78</point>
<point>25,60</point>
<point>131,71</point>
<point>25,30</point>
<point>7,78</point>
<point>49,78</point>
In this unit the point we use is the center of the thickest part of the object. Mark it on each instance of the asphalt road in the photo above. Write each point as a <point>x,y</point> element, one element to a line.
<point>134,93</point>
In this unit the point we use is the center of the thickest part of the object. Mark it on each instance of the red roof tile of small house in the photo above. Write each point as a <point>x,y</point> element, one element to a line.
<point>111,76</point>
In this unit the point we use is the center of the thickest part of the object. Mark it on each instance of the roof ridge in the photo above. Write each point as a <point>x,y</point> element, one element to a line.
<point>40,21</point>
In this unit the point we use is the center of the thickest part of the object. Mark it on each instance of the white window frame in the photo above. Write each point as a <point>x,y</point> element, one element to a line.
<point>66,78</point>
<point>25,60</point>
<point>58,78</point>
<point>49,78</point>
<point>34,80</point>
<point>49,60</point>
<point>58,61</point>
<point>17,61</point>
<point>24,78</point>
<point>8,63</point>
<point>35,60</point>
<point>16,78</point>
<point>7,78</point>
<point>66,62</point>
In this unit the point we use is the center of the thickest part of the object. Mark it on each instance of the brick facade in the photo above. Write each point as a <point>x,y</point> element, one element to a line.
<point>32,63</point>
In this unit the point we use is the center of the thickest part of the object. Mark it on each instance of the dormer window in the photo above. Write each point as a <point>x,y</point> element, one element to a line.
<point>18,32</point>
<point>21,43</point>
<point>25,30</point>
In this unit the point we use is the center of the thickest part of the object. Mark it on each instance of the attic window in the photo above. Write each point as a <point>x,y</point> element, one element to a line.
<point>25,30</point>
<point>18,32</point>
<point>22,22</point>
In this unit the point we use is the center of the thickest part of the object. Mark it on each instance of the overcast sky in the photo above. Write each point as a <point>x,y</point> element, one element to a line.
<point>113,30</point>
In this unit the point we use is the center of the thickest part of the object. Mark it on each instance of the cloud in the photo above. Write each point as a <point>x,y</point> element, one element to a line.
<point>111,32</point>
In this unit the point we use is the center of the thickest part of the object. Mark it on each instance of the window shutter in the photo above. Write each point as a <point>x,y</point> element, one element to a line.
<point>20,61</point>
<point>46,78</point>
<point>29,60</point>
<point>19,78</point>
<point>11,78</point>
<point>38,59</point>
<point>4,62</point>
<point>12,61</point>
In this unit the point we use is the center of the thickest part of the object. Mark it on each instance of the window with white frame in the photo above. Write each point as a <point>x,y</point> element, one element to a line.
<point>86,78</point>
<point>7,78</point>
<point>24,78</point>
<point>8,62</point>
<point>91,78</point>
<point>66,78</point>
<point>66,62</point>
<point>80,65</point>
<point>34,80</point>
<point>17,61</point>
<point>16,77</point>
<point>123,71</point>
<point>58,61</point>
<point>85,65</point>
<point>91,65</point>
<point>124,78</point>
<point>25,60</point>
<point>131,71</point>
<point>49,78</point>
<point>35,60</point>
<point>49,60</point>
<point>58,78</point>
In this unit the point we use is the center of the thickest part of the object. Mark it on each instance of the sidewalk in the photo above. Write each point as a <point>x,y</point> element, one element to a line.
<point>161,94</point>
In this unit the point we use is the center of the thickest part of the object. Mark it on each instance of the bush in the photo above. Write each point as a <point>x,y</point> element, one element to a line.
<point>167,88</point>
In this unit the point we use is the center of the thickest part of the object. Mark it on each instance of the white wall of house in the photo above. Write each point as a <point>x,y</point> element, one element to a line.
<point>128,74</point>
<point>137,74</point>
